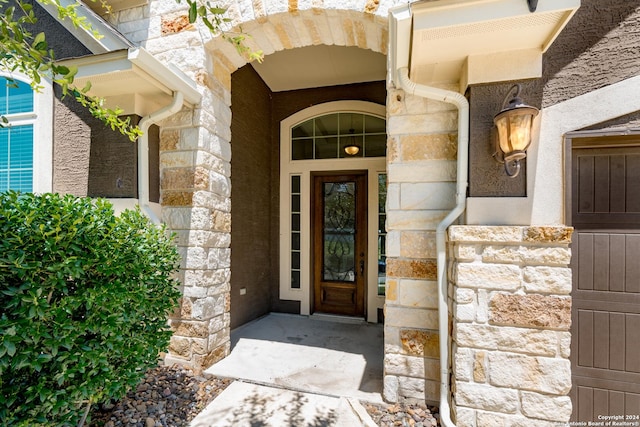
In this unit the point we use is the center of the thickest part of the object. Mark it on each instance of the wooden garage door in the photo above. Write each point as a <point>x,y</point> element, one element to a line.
<point>605,348</point>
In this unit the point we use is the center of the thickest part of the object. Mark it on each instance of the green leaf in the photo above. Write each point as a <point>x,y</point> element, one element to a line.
<point>61,69</point>
<point>193,12</point>
<point>39,38</point>
<point>10,347</point>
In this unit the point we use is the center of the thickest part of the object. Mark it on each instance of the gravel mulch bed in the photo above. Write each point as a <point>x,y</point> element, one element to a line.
<point>171,396</point>
<point>168,396</point>
<point>404,415</point>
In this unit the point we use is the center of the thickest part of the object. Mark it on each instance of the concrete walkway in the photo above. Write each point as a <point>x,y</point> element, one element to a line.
<point>298,371</point>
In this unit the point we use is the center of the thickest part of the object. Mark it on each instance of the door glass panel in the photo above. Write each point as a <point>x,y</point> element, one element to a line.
<point>339,231</point>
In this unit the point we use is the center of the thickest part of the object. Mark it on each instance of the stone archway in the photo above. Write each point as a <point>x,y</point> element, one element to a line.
<point>196,155</point>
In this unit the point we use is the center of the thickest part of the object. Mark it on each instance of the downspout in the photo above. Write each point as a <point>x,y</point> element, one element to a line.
<point>462,104</point>
<point>143,151</point>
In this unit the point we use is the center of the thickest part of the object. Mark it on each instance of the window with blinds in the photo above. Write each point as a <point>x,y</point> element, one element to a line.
<point>16,136</point>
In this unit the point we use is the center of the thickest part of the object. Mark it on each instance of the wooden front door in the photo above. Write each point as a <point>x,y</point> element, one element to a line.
<point>339,243</point>
<point>605,348</point>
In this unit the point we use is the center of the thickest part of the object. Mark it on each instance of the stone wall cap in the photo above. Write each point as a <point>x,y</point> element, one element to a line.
<point>510,234</point>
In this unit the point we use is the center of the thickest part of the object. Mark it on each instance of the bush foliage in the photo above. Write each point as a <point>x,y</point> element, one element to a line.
<point>84,301</point>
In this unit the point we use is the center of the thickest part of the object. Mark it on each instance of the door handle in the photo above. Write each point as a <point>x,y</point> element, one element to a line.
<point>362,267</point>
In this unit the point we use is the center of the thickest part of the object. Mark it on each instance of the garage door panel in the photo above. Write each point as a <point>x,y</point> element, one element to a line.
<point>590,400</point>
<point>606,187</point>
<point>586,171</point>
<point>617,264</point>
<point>616,402</point>
<point>584,245</point>
<point>600,259</point>
<point>585,403</point>
<point>601,339</point>
<point>618,181</point>
<point>633,183</point>
<point>608,341</point>
<point>632,404</point>
<point>607,261</point>
<point>617,357</point>
<point>601,184</point>
<point>585,338</point>
<point>632,343</point>
<point>632,270</point>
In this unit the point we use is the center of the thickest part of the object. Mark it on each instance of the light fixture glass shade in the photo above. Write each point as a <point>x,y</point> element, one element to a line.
<point>514,130</point>
<point>352,150</point>
<point>514,124</point>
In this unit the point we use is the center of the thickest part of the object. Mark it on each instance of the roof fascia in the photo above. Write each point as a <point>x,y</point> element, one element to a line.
<point>110,39</point>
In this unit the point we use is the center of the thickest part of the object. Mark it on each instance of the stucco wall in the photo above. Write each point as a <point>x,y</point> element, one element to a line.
<point>487,177</point>
<point>113,166</point>
<point>251,188</point>
<point>598,47</point>
<point>90,159</point>
<point>63,43</point>
<point>71,148</point>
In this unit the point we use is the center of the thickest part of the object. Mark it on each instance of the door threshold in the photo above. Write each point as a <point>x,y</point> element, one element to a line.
<point>338,318</point>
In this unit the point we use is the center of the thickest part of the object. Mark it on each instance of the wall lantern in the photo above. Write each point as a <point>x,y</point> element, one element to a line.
<point>514,131</point>
<point>352,148</point>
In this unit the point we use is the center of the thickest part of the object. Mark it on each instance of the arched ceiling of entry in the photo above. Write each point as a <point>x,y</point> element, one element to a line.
<point>319,66</point>
<point>340,40</point>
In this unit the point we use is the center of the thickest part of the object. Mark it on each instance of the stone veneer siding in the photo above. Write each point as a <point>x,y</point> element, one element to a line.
<point>421,156</point>
<point>511,318</point>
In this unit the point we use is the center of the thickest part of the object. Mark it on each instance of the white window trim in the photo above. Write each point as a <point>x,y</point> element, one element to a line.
<point>304,168</point>
<point>42,120</point>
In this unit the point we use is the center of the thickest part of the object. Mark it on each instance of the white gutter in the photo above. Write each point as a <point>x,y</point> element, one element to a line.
<point>143,151</point>
<point>461,191</point>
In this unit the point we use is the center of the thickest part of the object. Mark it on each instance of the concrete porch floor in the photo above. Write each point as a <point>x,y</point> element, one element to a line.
<point>315,368</point>
<point>318,354</point>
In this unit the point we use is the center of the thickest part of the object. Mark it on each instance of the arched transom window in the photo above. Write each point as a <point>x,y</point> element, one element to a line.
<point>329,136</point>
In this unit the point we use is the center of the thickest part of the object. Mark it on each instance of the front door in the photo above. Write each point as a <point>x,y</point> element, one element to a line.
<point>339,243</point>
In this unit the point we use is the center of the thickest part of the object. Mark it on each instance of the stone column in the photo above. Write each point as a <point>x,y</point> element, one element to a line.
<point>511,320</point>
<point>196,205</point>
<point>421,170</point>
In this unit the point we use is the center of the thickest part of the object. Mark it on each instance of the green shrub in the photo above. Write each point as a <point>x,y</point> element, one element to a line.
<point>84,301</point>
